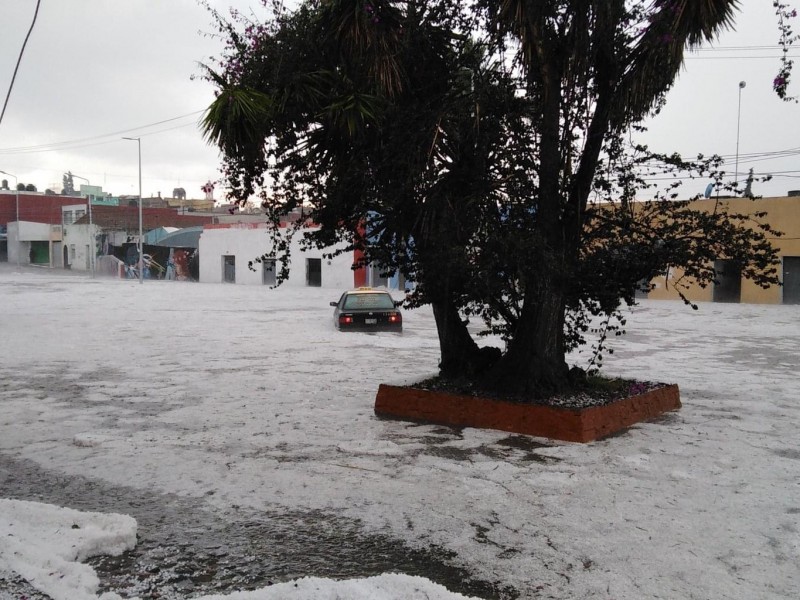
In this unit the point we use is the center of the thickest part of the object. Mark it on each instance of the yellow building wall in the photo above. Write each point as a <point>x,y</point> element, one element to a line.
<point>665,288</point>
<point>783,214</point>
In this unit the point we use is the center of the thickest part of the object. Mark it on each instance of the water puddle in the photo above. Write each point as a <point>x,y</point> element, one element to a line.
<point>183,549</point>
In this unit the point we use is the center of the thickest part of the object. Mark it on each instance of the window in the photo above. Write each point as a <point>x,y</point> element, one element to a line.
<point>68,217</point>
<point>367,301</point>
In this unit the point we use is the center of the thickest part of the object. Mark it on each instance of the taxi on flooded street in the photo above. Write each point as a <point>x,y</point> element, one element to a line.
<point>367,309</point>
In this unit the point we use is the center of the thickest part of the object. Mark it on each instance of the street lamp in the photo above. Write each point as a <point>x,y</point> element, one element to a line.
<point>16,187</point>
<point>93,249</point>
<point>742,84</point>
<point>141,235</point>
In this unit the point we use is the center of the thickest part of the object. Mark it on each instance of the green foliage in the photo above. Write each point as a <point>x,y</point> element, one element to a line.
<point>785,14</point>
<point>68,184</point>
<point>481,150</point>
<point>228,122</point>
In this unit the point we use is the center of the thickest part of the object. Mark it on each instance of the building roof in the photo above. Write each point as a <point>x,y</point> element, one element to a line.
<point>188,237</point>
<point>126,218</point>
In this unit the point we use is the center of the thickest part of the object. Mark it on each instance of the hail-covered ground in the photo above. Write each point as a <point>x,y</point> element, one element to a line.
<point>176,440</point>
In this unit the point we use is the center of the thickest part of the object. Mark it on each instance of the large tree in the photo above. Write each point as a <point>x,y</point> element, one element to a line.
<point>480,149</point>
<point>68,187</point>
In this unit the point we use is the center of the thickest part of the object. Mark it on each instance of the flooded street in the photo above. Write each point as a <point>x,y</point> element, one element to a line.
<point>236,426</point>
<point>187,544</point>
<point>184,550</point>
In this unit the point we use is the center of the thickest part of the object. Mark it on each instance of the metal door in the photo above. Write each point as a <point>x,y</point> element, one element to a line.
<point>58,255</point>
<point>229,269</point>
<point>314,272</point>
<point>728,287</point>
<point>269,275</point>
<point>791,279</point>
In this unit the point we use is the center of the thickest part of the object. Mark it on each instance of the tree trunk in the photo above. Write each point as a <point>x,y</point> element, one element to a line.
<point>459,352</point>
<point>535,364</point>
<point>440,252</point>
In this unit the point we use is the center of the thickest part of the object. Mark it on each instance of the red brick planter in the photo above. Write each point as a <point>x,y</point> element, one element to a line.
<point>571,425</point>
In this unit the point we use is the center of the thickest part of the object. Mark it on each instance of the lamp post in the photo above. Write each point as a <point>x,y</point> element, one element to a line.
<point>742,85</point>
<point>93,248</point>
<point>16,187</point>
<point>141,235</point>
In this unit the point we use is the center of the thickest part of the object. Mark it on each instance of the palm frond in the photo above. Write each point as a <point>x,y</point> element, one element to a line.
<point>236,119</point>
<point>659,53</point>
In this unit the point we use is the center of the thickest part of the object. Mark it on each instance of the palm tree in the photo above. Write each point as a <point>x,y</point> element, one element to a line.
<point>407,110</point>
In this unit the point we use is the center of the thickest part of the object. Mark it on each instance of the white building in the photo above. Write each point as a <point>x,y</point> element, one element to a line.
<point>34,243</point>
<point>225,249</point>
<point>79,240</point>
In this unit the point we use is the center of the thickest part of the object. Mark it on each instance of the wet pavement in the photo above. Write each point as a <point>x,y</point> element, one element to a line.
<point>183,550</point>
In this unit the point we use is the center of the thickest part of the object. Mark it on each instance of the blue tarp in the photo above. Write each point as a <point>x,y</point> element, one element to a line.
<point>188,237</point>
<point>152,236</point>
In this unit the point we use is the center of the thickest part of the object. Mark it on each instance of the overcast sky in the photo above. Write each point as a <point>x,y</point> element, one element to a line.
<point>97,70</point>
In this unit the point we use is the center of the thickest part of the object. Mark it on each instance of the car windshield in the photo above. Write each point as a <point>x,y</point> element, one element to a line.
<point>356,301</point>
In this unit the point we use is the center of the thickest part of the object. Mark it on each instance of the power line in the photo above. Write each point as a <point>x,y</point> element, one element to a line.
<point>679,177</point>
<point>19,60</point>
<point>91,144</point>
<point>694,53</point>
<point>83,142</point>
<point>740,57</point>
<point>738,48</point>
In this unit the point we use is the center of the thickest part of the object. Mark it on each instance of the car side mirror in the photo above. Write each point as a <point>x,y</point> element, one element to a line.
<point>334,304</point>
<point>398,303</point>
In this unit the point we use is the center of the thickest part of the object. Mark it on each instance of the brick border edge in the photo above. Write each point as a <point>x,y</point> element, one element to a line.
<point>571,425</point>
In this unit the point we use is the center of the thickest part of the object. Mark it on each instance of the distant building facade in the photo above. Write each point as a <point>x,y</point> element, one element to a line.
<point>32,222</point>
<point>783,214</point>
<point>227,249</point>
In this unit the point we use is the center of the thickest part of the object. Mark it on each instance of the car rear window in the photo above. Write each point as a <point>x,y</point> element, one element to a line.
<point>356,301</point>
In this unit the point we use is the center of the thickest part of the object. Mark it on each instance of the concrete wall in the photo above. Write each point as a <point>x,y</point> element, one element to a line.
<point>34,232</point>
<point>20,236</point>
<point>15,252</point>
<point>246,241</point>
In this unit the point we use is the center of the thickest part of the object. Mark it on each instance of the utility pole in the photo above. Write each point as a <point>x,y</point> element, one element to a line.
<point>742,84</point>
<point>141,235</point>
